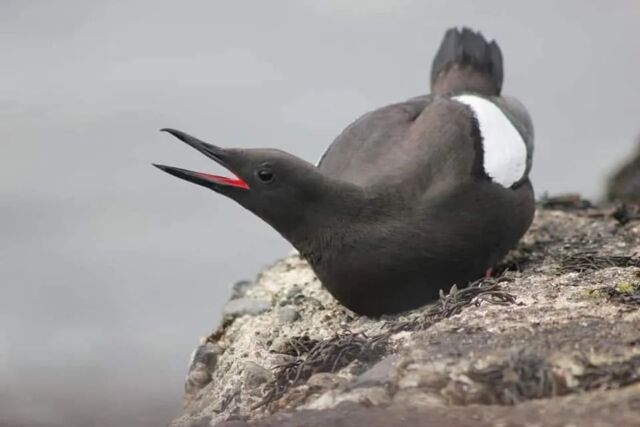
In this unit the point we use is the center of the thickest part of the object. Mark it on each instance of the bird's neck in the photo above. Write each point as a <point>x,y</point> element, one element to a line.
<point>339,219</point>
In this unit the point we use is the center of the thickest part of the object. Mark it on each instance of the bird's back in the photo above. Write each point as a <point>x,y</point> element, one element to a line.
<point>374,148</point>
<point>429,135</point>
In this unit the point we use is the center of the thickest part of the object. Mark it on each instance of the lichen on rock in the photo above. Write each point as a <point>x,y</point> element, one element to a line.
<point>554,337</point>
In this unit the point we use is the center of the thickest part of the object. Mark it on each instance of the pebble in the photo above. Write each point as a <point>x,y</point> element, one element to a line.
<point>379,374</point>
<point>206,354</point>
<point>287,315</point>
<point>279,345</point>
<point>254,375</point>
<point>244,306</point>
<point>239,289</point>
<point>325,381</point>
<point>202,365</point>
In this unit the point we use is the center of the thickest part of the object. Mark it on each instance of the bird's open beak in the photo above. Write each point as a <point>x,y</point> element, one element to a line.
<point>217,154</point>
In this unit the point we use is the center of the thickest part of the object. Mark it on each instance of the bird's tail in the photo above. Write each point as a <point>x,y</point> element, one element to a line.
<point>465,62</point>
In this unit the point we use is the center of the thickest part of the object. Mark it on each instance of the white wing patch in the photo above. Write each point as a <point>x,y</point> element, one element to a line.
<point>505,152</point>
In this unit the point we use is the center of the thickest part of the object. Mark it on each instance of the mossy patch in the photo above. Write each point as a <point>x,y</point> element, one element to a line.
<point>627,288</point>
<point>624,292</point>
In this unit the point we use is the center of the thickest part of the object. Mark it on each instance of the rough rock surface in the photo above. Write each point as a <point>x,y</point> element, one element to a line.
<point>554,339</point>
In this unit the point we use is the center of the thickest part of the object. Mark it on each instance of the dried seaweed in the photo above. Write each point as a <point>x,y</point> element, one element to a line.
<point>625,213</point>
<point>590,261</point>
<point>482,290</point>
<point>298,346</point>
<point>333,354</point>
<point>328,355</point>
<point>613,375</point>
<point>564,202</point>
<point>524,256</point>
<point>526,376</point>
<point>521,377</point>
<point>487,290</point>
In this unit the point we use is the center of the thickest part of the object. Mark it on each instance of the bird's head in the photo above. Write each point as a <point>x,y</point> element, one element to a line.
<point>282,189</point>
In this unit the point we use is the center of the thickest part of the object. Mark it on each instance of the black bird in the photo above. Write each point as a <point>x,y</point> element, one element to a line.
<point>410,198</point>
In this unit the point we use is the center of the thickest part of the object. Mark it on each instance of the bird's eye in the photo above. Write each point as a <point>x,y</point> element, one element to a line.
<point>265,175</point>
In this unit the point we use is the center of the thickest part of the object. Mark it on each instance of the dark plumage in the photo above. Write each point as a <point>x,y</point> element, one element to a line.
<point>410,198</point>
<point>465,61</point>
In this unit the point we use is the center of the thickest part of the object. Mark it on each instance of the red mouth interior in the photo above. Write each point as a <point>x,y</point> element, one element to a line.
<point>234,182</point>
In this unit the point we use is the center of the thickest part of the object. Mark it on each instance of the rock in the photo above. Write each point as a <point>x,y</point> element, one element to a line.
<point>202,364</point>
<point>198,377</point>
<point>554,340</point>
<point>206,354</point>
<point>282,359</point>
<point>255,375</point>
<point>325,381</point>
<point>242,307</point>
<point>379,375</point>
<point>287,315</point>
<point>566,202</point>
<point>240,288</point>
<point>201,422</point>
<point>279,345</point>
<point>372,396</point>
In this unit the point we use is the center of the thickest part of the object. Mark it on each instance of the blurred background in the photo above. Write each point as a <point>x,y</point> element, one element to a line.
<point>110,270</point>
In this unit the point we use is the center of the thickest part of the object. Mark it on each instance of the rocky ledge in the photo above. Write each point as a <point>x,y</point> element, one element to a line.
<point>553,339</point>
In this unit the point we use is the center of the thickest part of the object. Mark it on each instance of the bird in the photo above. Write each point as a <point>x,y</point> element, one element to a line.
<point>409,199</point>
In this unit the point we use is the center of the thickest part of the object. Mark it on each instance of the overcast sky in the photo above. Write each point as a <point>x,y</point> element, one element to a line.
<point>110,270</point>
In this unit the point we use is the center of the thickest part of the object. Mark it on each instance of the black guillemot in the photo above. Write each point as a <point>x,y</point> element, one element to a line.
<point>409,199</point>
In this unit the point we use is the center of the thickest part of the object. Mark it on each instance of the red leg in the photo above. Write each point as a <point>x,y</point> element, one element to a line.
<point>488,273</point>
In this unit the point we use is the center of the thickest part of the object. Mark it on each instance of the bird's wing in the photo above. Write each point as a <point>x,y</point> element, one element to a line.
<point>371,148</point>
<point>506,135</point>
<point>520,118</point>
<point>435,139</point>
